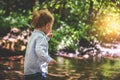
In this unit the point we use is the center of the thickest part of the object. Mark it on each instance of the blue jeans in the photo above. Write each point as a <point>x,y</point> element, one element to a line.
<point>36,76</point>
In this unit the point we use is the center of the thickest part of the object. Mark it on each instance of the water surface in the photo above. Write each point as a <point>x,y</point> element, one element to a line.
<point>66,69</point>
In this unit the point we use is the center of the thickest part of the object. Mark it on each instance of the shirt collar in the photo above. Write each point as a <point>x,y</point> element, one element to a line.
<point>38,31</point>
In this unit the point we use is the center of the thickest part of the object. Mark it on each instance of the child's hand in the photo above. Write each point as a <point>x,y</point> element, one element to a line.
<point>53,62</point>
<point>50,35</point>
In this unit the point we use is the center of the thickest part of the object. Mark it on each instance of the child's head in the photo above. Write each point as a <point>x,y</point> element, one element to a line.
<point>42,18</point>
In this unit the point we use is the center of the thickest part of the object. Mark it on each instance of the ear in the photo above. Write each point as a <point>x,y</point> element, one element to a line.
<point>47,26</point>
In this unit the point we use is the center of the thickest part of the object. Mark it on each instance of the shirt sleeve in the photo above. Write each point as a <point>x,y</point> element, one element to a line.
<point>41,49</point>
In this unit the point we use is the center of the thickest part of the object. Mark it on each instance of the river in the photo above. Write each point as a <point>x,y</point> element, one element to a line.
<point>66,69</point>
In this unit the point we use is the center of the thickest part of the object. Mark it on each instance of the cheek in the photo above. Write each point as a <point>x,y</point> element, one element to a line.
<point>50,29</point>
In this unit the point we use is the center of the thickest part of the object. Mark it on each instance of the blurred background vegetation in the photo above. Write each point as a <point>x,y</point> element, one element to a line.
<point>75,20</point>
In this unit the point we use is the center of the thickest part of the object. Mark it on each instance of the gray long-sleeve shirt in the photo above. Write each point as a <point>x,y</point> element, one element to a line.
<point>36,57</point>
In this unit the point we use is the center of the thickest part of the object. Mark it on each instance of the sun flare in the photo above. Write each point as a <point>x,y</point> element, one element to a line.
<point>108,26</point>
<point>110,23</point>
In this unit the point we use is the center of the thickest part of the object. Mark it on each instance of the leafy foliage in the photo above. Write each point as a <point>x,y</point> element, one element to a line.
<point>74,19</point>
<point>14,20</point>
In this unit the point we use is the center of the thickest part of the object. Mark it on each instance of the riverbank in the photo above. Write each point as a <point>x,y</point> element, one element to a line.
<point>110,51</point>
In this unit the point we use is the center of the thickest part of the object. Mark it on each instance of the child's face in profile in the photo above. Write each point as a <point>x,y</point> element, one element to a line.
<point>48,28</point>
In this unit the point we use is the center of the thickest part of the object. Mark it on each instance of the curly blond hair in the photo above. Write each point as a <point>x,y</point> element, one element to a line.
<point>41,18</point>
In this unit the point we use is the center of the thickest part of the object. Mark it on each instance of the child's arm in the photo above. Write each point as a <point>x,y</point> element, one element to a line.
<point>41,49</point>
<point>50,35</point>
